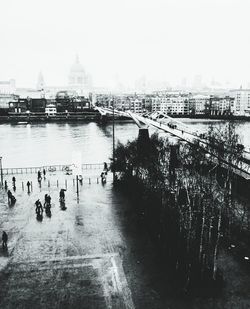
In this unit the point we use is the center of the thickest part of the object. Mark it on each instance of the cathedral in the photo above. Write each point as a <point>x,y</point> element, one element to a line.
<point>79,80</point>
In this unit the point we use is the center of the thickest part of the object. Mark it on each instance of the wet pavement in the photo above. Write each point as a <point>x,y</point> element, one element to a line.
<point>90,254</point>
<point>70,259</point>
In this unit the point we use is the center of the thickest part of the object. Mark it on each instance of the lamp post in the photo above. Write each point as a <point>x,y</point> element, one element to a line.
<point>113,118</point>
<point>1,171</point>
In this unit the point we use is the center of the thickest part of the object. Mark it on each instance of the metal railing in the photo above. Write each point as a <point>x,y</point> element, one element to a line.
<point>49,168</point>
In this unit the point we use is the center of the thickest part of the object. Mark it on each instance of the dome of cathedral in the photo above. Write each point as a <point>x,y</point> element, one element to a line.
<point>77,67</point>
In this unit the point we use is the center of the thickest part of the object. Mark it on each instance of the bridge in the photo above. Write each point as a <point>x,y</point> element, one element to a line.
<point>185,133</point>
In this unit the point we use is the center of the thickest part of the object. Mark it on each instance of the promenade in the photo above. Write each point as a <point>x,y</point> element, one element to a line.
<point>93,254</point>
<point>71,260</point>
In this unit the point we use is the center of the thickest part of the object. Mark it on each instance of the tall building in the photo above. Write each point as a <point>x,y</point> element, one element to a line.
<point>40,82</point>
<point>8,86</point>
<point>241,101</point>
<point>79,80</point>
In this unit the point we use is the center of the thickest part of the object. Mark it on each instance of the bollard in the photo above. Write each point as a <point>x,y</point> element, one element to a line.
<point>66,184</point>
<point>22,185</point>
<point>89,181</point>
<point>57,183</point>
<point>97,180</point>
<point>48,183</point>
<point>73,182</point>
<point>31,186</point>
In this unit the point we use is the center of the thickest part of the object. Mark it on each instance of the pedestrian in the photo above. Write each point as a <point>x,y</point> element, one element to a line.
<point>44,172</point>
<point>105,166</point>
<point>14,180</point>
<point>39,177</point>
<point>62,195</point>
<point>9,196</point>
<point>4,240</point>
<point>28,185</point>
<point>5,185</point>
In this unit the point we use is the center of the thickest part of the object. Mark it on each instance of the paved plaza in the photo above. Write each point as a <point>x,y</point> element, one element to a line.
<point>71,259</point>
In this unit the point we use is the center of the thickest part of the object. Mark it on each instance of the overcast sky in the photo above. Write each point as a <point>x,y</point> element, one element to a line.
<point>163,40</point>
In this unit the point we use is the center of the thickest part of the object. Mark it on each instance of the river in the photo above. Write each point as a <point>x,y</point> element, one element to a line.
<point>55,143</point>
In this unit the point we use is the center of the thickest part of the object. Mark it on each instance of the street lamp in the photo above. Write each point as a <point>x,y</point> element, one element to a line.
<point>1,171</point>
<point>113,118</point>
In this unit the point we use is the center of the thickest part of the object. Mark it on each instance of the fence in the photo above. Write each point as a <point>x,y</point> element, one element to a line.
<point>49,168</point>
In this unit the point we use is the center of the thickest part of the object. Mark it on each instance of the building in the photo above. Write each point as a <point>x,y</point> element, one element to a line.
<point>199,104</point>
<point>136,105</point>
<point>40,82</point>
<point>70,101</point>
<point>50,110</point>
<point>5,99</point>
<point>221,105</point>
<point>78,79</point>
<point>19,106</point>
<point>171,104</point>
<point>8,87</point>
<point>241,102</point>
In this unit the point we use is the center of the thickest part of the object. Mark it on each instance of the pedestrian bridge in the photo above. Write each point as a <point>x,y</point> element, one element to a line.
<point>185,133</point>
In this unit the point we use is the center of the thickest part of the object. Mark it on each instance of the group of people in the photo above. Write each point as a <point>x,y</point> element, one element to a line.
<point>46,205</point>
<point>39,175</point>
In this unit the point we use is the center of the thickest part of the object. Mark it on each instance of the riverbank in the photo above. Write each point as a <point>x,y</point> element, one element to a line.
<point>92,115</point>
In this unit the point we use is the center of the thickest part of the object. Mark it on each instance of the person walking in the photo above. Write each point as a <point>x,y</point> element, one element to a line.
<point>4,240</point>
<point>44,172</point>
<point>39,177</point>
<point>5,185</point>
<point>9,196</point>
<point>28,186</point>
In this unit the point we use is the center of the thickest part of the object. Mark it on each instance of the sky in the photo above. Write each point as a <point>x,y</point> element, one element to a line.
<point>125,40</point>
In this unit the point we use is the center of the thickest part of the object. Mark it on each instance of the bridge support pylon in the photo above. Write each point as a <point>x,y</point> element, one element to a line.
<point>143,142</point>
<point>143,136</point>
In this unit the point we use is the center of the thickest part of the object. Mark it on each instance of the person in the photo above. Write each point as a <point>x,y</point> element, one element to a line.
<point>14,180</point>
<point>103,177</point>
<point>62,195</point>
<point>39,177</point>
<point>80,179</point>
<point>28,185</point>
<point>49,199</point>
<point>5,185</point>
<point>4,240</point>
<point>39,208</point>
<point>9,196</point>
<point>105,166</point>
<point>44,172</point>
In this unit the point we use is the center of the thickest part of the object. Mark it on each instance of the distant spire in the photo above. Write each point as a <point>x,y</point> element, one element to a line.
<point>40,82</point>
<point>77,59</point>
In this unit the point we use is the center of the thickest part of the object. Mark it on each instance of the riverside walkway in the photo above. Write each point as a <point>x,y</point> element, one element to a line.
<point>72,259</point>
<point>93,254</point>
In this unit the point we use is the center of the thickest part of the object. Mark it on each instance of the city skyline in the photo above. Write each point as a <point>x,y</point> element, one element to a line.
<point>122,42</point>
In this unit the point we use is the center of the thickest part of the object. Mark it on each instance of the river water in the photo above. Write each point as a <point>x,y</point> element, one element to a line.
<point>56,143</point>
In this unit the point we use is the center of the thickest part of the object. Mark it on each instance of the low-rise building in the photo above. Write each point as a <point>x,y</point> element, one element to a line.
<point>50,110</point>
<point>171,105</point>
<point>199,104</point>
<point>221,105</point>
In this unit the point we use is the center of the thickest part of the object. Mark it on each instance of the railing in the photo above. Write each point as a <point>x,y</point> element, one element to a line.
<point>49,168</point>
